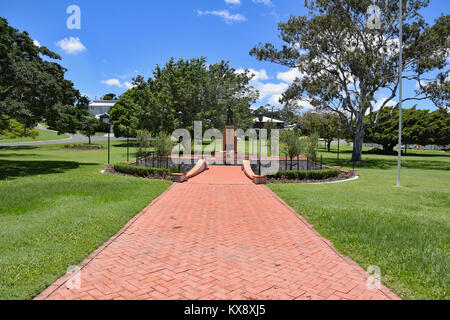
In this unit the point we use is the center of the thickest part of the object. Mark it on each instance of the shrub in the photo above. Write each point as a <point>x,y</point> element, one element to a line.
<point>144,171</point>
<point>306,174</point>
<point>143,138</point>
<point>310,146</point>
<point>163,145</point>
<point>291,144</point>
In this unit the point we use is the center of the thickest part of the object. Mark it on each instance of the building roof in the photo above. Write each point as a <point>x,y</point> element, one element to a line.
<point>267,119</point>
<point>103,103</point>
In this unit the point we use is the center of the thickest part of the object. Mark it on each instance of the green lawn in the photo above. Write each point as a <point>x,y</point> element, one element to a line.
<point>56,208</point>
<point>44,135</point>
<point>405,231</point>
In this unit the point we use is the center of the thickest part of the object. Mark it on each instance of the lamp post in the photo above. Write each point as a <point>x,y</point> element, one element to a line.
<point>128,143</point>
<point>260,118</point>
<point>105,119</point>
<point>339,141</point>
<point>180,115</point>
<point>400,93</point>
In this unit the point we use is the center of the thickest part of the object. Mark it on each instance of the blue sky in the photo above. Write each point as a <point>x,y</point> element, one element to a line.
<point>120,39</point>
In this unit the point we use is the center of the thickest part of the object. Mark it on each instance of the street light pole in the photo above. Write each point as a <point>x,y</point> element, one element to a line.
<point>128,144</point>
<point>109,142</point>
<point>400,74</point>
<point>339,141</point>
<point>180,115</point>
<point>260,118</point>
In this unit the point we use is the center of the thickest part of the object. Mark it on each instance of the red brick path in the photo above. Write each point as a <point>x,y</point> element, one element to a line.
<point>218,236</point>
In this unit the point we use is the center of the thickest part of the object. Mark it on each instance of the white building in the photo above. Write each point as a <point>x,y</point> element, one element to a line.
<point>278,123</point>
<point>101,107</point>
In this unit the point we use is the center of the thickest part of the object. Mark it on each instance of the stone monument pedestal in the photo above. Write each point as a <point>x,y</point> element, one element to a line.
<point>229,145</point>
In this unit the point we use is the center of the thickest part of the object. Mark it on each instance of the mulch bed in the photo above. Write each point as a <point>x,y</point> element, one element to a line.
<point>137,176</point>
<point>340,177</point>
<point>82,147</point>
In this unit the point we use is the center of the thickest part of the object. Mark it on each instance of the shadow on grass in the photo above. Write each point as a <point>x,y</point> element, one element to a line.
<point>15,169</point>
<point>17,148</point>
<point>132,144</point>
<point>410,164</point>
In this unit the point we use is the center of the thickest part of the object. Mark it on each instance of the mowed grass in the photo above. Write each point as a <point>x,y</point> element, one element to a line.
<point>44,135</point>
<point>56,208</point>
<point>405,231</point>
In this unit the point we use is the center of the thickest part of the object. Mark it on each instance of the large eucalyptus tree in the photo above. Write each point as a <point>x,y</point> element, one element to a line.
<point>348,54</point>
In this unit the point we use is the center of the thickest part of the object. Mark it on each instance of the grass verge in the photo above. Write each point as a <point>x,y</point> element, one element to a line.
<point>56,208</point>
<point>405,231</point>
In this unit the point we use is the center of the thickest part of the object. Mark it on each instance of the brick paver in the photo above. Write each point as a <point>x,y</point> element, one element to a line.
<point>218,236</point>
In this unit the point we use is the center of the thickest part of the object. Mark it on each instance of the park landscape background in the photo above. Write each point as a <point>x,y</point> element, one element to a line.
<point>56,207</point>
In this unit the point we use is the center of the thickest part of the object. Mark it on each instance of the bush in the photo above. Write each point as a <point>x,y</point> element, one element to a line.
<point>102,127</point>
<point>144,171</point>
<point>291,144</point>
<point>306,174</point>
<point>163,145</point>
<point>310,146</point>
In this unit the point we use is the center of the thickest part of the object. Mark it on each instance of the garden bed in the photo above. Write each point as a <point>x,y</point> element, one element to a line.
<point>143,172</point>
<point>309,176</point>
<point>82,147</point>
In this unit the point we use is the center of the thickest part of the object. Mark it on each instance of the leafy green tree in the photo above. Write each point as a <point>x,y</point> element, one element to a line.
<point>122,115</point>
<point>290,144</point>
<point>109,96</point>
<point>326,124</point>
<point>88,125</point>
<point>439,125</point>
<point>198,91</point>
<point>345,65</point>
<point>309,146</point>
<point>143,139</point>
<point>13,129</point>
<point>163,145</point>
<point>419,127</point>
<point>32,85</point>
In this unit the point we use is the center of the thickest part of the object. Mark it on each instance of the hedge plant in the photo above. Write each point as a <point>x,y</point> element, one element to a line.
<point>306,174</point>
<point>143,171</point>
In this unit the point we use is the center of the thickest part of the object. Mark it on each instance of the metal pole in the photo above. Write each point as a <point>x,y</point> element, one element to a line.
<point>109,143</point>
<point>179,151</point>
<point>259,156</point>
<point>339,139</point>
<point>128,145</point>
<point>400,97</point>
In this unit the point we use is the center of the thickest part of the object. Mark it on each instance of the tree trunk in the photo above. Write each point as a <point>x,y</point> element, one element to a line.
<point>358,139</point>
<point>291,163</point>
<point>389,147</point>
<point>89,139</point>
<point>329,145</point>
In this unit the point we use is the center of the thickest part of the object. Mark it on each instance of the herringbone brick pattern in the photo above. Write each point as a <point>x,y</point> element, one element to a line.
<point>218,236</point>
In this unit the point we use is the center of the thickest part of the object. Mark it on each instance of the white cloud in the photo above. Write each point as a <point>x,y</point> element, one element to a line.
<point>71,45</point>
<point>380,101</point>
<point>36,43</point>
<point>275,100</point>
<point>112,82</point>
<point>233,2</point>
<point>289,76</point>
<point>224,14</point>
<point>128,85</point>
<point>257,75</point>
<point>270,89</point>
<point>264,2</point>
